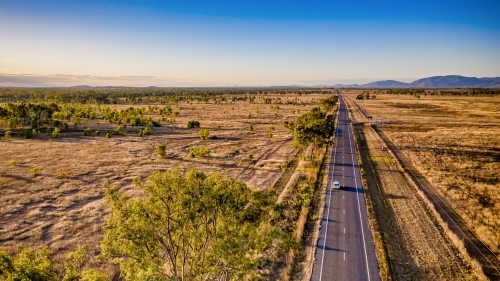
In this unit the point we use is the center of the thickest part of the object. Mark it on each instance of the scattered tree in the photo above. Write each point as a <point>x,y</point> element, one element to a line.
<point>161,151</point>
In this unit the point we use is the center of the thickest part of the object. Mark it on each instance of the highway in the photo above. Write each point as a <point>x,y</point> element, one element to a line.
<point>345,249</point>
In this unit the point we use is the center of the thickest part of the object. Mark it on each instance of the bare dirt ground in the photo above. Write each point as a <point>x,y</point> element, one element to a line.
<point>60,205</point>
<point>415,245</point>
<point>453,142</point>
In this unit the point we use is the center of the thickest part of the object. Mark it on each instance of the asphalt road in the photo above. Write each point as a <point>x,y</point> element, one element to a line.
<point>345,249</point>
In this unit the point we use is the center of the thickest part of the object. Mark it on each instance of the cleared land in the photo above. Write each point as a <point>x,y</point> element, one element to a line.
<point>453,142</point>
<point>60,204</point>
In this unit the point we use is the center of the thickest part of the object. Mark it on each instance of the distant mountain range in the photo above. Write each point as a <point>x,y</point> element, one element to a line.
<point>448,81</point>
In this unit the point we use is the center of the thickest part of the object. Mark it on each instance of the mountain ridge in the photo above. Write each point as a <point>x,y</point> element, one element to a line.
<point>446,81</point>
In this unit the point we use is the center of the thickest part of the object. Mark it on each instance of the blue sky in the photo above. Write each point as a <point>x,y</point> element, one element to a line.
<point>246,43</point>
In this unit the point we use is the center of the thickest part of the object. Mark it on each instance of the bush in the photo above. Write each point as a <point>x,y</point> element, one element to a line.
<point>108,135</point>
<point>161,151</point>
<point>26,133</point>
<point>144,132</point>
<point>199,152</point>
<point>87,131</point>
<point>204,134</point>
<point>12,162</point>
<point>62,175</point>
<point>34,170</point>
<point>56,133</point>
<point>360,97</point>
<point>270,135</point>
<point>251,127</point>
<point>120,130</point>
<point>97,133</point>
<point>193,124</point>
<point>250,157</point>
<point>8,134</point>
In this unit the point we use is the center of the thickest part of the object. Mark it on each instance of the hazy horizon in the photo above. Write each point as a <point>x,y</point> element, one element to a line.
<point>257,43</point>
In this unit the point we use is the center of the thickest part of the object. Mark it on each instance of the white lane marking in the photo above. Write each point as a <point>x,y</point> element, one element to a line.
<point>344,229</point>
<point>344,211</point>
<point>329,198</point>
<point>359,207</point>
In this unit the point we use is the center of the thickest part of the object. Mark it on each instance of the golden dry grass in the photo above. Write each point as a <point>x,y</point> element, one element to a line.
<point>61,204</point>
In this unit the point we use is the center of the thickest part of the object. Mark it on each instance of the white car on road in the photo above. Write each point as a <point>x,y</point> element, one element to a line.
<point>336,185</point>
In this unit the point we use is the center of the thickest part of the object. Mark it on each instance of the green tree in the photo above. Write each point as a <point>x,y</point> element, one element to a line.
<point>204,134</point>
<point>189,227</point>
<point>312,128</point>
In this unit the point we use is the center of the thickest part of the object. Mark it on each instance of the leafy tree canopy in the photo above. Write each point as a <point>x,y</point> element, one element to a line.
<point>314,127</point>
<point>195,226</point>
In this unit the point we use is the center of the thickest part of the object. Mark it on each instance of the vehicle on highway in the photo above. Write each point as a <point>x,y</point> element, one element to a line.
<point>336,185</point>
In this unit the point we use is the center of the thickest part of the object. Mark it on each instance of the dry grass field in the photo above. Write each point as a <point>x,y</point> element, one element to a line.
<point>51,189</point>
<point>455,143</point>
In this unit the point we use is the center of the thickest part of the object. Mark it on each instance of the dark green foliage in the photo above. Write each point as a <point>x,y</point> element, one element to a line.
<point>34,114</point>
<point>26,133</point>
<point>329,102</point>
<point>360,97</point>
<point>313,128</point>
<point>193,124</point>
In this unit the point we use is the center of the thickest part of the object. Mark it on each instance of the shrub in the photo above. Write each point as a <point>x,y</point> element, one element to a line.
<point>204,134</point>
<point>62,175</point>
<point>144,132</point>
<point>26,133</point>
<point>108,135</point>
<point>34,170</point>
<point>8,134</point>
<point>270,135</point>
<point>161,151</point>
<point>97,133</point>
<point>251,127</point>
<point>87,131</point>
<point>199,152</point>
<point>250,157</point>
<point>120,130</point>
<point>56,133</point>
<point>12,162</point>
<point>193,124</point>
